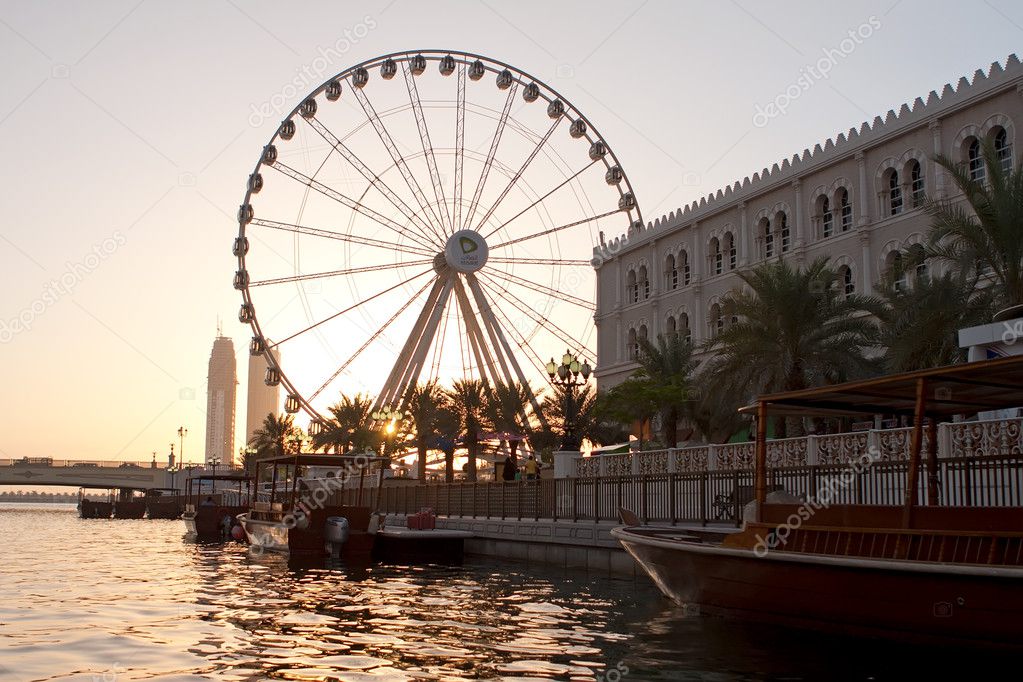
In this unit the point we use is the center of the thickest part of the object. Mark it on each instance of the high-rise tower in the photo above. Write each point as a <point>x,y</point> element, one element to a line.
<point>263,399</point>
<point>221,389</point>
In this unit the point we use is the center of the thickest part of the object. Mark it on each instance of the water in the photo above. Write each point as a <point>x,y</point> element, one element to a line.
<point>129,600</point>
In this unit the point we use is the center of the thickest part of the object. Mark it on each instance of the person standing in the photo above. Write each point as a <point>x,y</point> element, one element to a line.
<point>508,474</point>
<point>532,468</point>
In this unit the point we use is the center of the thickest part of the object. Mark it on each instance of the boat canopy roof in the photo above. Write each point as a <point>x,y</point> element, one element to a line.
<point>318,460</point>
<point>955,389</point>
<point>220,477</point>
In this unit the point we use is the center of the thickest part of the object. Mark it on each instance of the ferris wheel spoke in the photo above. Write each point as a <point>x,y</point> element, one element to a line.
<point>540,261</point>
<point>520,339</point>
<point>351,203</point>
<point>340,236</point>
<point>494,142</point>
<point>398,159</point>
<point>541,199</point>
<point>373,179</point>
<point>459,148</point>
<point>376,335</point>
<point>424,137</point>
<point>337,273</point>
<point>352,307</point>
<point>518,174</point>
<point>542,289</point>
<point>552,230</point>
<point>527,310</point>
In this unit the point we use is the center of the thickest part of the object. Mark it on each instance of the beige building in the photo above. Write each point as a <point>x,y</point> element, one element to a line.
<point>857,198</point>
<point>263,399</point>
<point>221,390</point>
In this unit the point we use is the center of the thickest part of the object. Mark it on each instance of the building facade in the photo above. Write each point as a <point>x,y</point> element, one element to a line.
<point>262,399</point>
<point>858,199</point>
<point>221,390</point>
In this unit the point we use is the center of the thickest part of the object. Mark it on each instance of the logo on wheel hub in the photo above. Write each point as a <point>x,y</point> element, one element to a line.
<point>466,251</point>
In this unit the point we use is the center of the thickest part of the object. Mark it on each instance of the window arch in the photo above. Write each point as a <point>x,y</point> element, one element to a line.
<point>1003,149</point>
<point>670,327</point>
<point>670,272</point>
<point>683,261</point>
<point>765,233</point>
<point>975,160</point>
<point>632,345</point>
<point>917,192</point>
<point>715,320</point>
<point>716,257</point>
<point>921,270</point>
<point>683,327</point>
<point>729,249</point>
<point>845,215</point>
<point>846,280</point>
<point>827,218</point>
<point>783,230</point>
<point>894,268</point>
<point>643,283</point>
<point>893,192</point>
<point>641,336</point>
<point>631,287</point>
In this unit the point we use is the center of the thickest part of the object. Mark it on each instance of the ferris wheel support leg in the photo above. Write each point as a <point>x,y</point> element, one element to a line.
<point>490,320</point>
<point>476,339</point>
<point>386,393</point>
<point>415,368</point>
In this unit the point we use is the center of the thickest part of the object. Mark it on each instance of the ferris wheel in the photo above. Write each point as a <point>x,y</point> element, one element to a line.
<point>424,215</point>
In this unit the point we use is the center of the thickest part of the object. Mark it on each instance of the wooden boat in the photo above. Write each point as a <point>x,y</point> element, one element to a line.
<point>292,514</point>
<point>92,509</point>
<point>209,515</point>
<point>917,571</point>
<point>163,503</point>
<point>127,505</point>
<point>407,545</point>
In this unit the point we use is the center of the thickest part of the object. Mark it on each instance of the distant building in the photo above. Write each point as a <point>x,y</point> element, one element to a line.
<point>222,387</point>
<point>858,198</point>
<point>263,399</point>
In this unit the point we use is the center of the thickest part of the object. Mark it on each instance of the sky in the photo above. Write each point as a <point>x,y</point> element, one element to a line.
<point>130,128</point>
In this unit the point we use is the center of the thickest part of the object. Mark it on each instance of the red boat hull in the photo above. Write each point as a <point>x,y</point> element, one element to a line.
<point>934,602</point>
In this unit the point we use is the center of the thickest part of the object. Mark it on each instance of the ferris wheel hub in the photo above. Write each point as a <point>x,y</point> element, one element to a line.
<point>466,251</point>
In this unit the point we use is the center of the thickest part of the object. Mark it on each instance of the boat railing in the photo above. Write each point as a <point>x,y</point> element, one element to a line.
<point>955,439</point>
<point>711,496</point>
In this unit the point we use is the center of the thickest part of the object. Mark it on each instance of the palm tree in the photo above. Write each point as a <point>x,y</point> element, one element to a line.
<point>575,411</point>
<point>349,426</point>
<point>919,322</point>
<point>628,403</point>
<point>793,330</point>
<point>666,369</point>
<point>508,410</point>
<point>274,438</point>
<point>424,405</point>
<point>468,399</point>
<point>448,425</point>
<point>984,234</point>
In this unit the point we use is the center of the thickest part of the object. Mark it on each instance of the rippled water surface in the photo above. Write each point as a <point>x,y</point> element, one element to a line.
<point>125,600</point>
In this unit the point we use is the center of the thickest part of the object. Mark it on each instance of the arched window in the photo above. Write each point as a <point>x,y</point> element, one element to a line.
<point>975,161</point>
<point>827,218</point>
<point>683,258</point>
<point>916,184</point>
<point>631,288</point>
<point>920,270</point>
<point>670,328</point>
<point>895,269</point>
<point>716,321</point>
<point>783,228</point>
<point>671,272</point>
<point>644,282</point>
<point>1003,150</point>
<point>632,346</point>
<point>844,209</point>
<point>894,193</point>
<point>641,336</point>
<point>683,326</point>
<point>730,250</point>
<point>716,259</point>
<point>846,277</point>
<point>765,231</point>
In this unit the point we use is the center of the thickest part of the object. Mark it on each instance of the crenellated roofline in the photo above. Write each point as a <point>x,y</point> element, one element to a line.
<point>868,134</point>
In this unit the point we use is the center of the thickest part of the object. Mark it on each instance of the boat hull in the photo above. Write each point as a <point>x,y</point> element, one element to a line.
<point>210,524</point>
<point>163,509</point>
<point>937,602</point>
<point>88,509</point>
<point>131,509</point>
<point>402,545</point>
<point>268,535</point>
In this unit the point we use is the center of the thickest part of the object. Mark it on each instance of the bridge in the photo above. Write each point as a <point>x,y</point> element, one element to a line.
<point>44,471</point>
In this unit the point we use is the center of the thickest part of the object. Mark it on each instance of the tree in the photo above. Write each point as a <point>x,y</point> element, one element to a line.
<point>666,369</point>
<point>273,438</point>
<point>349,427</point>
<point>627,403</point>
<point>425,404</point>
<point>794,330</point>
<point>508,410</point>
<point>448,424</point>
<point>468,398</point>
<point>575,411</point>
<point>920,319</point>
<point>984,235</point>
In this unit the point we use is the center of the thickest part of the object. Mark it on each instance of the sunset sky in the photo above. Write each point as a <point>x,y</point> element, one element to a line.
<point>130,128</point>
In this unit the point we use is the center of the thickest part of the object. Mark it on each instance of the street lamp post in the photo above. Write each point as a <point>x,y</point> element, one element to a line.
<point>182,432</point>
<point>569,374</point>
